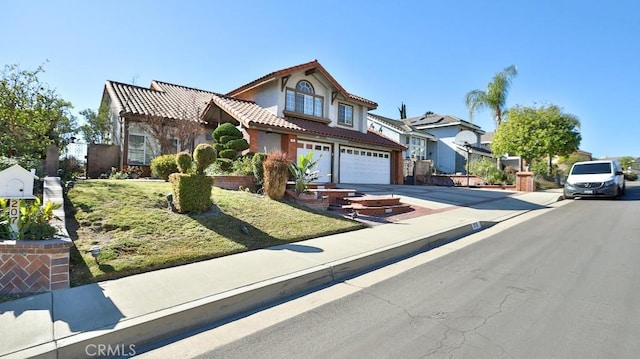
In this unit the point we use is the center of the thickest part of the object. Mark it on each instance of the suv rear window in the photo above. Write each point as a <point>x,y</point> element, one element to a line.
<point>591,168</point>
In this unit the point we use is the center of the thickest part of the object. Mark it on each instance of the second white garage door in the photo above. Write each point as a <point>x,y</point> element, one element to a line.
<point>359,165</point>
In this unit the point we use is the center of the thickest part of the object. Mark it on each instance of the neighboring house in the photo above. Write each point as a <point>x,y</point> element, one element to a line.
<point>505,160</point>
<point>420,145</point>
<point>297,110</point>
<point>448,157</point>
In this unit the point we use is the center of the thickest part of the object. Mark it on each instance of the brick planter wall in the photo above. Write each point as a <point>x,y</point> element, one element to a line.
<point>525,182</point>
<point>320,203</point>
<point>234,182</point>
<point>34,266</point>
<point>38,266</point>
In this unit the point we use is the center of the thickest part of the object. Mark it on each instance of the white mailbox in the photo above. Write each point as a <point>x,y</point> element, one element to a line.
<point>16,183</point>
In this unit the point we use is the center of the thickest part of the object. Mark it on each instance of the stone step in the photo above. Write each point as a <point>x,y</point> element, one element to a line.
<point>376,210</point>
<point>375,201</point>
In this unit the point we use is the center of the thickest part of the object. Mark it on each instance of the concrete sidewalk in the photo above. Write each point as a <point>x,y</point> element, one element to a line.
<point>148,307</point>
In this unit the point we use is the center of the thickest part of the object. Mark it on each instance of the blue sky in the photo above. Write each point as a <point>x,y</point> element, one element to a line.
<point>579,55</point>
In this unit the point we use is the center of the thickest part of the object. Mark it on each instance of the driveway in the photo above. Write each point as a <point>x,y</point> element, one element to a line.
<point>425,200</point>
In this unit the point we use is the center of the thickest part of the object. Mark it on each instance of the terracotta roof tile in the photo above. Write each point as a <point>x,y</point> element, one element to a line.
<point>160,100</point>
<point>371,137</point>
<point>305,66</point>
<point>180,102</point>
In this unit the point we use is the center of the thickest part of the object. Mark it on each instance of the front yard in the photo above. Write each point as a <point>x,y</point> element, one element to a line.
<point>136,232</point>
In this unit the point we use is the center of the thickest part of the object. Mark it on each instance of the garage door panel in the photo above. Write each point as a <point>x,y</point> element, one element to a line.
<point>322,153</point>
<point>364,166</point>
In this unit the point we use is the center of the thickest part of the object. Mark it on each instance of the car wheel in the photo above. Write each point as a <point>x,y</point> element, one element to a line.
<point>568,197</point>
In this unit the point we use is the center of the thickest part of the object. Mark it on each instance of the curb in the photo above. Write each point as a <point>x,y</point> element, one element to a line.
<point>170,322</point>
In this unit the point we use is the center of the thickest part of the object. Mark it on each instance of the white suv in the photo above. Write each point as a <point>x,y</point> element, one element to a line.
<point>595,179</point>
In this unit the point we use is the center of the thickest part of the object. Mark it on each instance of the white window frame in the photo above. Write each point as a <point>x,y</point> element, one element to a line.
<point>343,119</point>
<point>303,100</point>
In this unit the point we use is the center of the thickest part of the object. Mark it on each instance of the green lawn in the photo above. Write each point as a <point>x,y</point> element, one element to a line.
<point>130,221</point>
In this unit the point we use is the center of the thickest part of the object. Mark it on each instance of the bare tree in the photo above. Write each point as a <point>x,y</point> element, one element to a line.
<point>184,129</point>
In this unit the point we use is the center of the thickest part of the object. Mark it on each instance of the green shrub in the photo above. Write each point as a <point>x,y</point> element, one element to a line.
<point>229,142</point>
<point>228,154</point>
<point>242,166</point>
<point>226,138</point>
<point>204,155</point>
<point>219,147</point>
<point>163,166</point>
<point>184,161</point>
<point>486,169</point>
<point>26,162</point>
<point>33,222</point>
<point>226,129</point>
<point>258,169</point>
<point>118,175</point>
<point>191,192</point>
<point>5,226</point>
<point>630,176</point>
<point>239,144</point>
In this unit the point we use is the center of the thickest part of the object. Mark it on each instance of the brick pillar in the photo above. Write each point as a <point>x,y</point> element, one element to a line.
<point>253,140</point>
<point>524,182</point>
<point>34,266</point>
<point>289,144</point>
<point>397,163</point>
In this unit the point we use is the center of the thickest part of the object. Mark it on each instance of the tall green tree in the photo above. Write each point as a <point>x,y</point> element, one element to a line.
<point>535,133</point>
<point>627,162</point>
<point>32,116</point>
<point>495,97</point>
<point>97,125</point>
<point>403,111</point>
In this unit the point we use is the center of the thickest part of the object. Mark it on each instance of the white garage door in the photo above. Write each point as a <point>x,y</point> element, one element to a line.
<point>358,165</point>
<point>322,153</point>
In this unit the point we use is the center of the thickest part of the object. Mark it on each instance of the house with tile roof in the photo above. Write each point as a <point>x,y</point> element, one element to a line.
<point>431,137</point>
<point>421,145</point>
<point>297,110</point>
<point>439,133</point>
<point>449,156</point>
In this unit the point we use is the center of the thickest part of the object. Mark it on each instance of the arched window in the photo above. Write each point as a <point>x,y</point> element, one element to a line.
<point>303,100</point>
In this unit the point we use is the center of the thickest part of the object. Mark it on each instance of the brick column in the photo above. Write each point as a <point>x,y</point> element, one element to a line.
<point>525,182</point>
<point>253,140</point>
<point>289,144</point>
<point>34,266</point>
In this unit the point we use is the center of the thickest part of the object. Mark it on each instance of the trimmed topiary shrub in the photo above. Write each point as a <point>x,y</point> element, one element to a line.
<point>229,142</point>
<point>191,192</point>
<point>258,169</point>
<point>184,162</point>
<point>163,166</point>
<point>204,155</point>
<point>276,173</point>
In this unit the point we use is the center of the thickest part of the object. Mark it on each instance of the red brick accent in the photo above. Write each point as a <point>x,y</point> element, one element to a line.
<point>289,144</point>
<point>34,266</point>
<point>397,167</point>
<point>234,182</point>
<point>525,182</point>
<point>253,140</point>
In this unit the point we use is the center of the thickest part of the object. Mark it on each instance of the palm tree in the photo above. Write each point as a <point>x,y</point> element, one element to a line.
<point>495,97</point>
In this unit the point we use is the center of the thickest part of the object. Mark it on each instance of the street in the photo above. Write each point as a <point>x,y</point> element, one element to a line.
<point>562,285</point>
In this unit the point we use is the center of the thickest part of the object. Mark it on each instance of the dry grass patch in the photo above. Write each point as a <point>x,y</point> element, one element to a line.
<point>130,221</point>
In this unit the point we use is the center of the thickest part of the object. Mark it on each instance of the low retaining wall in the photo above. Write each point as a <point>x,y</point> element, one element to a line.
<point>38,266</point>
<point>234,182</point>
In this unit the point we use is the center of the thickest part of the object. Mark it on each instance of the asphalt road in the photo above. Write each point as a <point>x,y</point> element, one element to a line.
<point>564,284</point>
